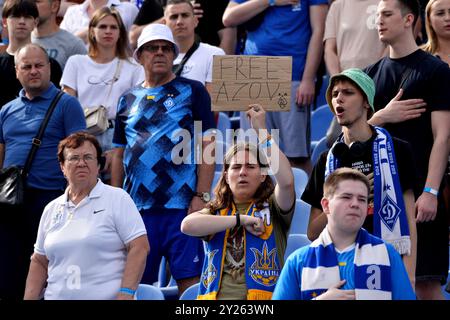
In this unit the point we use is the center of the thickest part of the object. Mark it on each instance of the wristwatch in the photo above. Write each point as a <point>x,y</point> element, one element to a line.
<point>205,196</point>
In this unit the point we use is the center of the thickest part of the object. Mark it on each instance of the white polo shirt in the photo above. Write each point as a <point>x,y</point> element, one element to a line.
<point>86,243</point>
<point>76,17</point>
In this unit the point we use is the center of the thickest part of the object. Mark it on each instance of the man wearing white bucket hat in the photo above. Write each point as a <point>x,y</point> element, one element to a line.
<point>154,162</point>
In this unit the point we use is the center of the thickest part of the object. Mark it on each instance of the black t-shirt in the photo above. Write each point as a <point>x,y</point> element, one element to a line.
<point>406,169</point>
<point>10,85</point>
<point>429,80</point>
<point>211,22</point>
<point>150,11</point>
<point>208,26</point>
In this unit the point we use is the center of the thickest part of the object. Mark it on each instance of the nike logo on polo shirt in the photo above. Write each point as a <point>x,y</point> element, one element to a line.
<point>97,211</point>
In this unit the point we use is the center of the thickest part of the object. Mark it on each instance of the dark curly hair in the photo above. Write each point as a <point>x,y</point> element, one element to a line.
<point>224,196</point>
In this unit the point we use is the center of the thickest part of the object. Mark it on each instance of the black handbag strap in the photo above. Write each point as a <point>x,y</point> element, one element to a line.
<point>36,142</point>
<point>179,67</point>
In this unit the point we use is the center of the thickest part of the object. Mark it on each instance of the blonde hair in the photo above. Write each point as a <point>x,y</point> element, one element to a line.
<point>432,44</point>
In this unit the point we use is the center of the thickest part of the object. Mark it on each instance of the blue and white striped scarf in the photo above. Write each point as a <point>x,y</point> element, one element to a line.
<point>372,269</point>
<point>389,220</point>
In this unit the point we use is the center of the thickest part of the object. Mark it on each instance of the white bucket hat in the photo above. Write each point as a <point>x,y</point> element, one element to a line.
<point>155,31</point>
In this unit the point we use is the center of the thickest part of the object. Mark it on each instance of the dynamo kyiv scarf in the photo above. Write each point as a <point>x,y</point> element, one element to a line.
<point>372,269</point>
<point>262,265</point>
<point>389,220</point>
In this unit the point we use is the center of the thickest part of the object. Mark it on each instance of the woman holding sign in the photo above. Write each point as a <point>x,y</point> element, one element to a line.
<point>245,226</point>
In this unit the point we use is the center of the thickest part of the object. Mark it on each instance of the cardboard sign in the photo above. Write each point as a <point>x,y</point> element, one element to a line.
<point>242,80</point>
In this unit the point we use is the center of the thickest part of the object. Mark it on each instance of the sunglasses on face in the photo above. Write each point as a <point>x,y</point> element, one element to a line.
<point>153,48</point>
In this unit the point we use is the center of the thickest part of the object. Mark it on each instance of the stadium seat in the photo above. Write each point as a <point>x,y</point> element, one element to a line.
<point>166,283</point>
<point>223,124</point>
<point>321,99</point>
<point>318,150</point>
<point>148,292</point>
<point>320,121</point>
<point>445,292</point>
<point>221,150</point>
<point>294,242</point>
<point>300,219</point>
<point>300,181</point>
<point>214,182</point>
<point>190,293</point>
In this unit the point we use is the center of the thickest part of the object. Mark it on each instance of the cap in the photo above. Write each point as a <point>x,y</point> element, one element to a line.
<point>155,31</point>
<point>360,78</point>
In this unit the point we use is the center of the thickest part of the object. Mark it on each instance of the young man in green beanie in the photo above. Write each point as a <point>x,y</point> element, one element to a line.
<point>386,161</point>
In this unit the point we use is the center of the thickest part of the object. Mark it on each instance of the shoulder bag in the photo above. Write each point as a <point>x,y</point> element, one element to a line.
<point>13,178</point>
<point>97,117</point>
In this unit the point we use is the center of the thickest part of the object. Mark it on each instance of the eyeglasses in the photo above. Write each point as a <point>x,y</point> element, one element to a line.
<point>152,48</point>
<point>87,158</point>
<point>28,67</point>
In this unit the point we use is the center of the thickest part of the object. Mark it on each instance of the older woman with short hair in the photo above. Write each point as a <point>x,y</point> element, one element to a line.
<point>91,243</point>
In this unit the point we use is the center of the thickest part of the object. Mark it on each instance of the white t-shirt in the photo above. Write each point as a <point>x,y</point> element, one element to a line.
<point>76,17</point>
<point>86,244</point>
<point>92,81</point>
<point>200,65</point>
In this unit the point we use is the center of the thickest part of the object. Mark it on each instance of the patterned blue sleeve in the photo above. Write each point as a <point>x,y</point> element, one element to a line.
<point>401,287</point>
<point>119,138</point>
<point>290,280</point>
<point>201,106</point>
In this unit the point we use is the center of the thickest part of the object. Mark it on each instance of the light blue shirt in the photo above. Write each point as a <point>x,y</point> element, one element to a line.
<point>289,283</point>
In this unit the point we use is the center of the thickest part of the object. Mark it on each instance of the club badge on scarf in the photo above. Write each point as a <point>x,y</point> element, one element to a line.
<point>262,266</point>
<point>389,220</point>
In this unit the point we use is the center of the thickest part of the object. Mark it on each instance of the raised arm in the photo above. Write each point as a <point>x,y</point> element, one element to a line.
<point>236,14</point>
<point>278,162</point>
